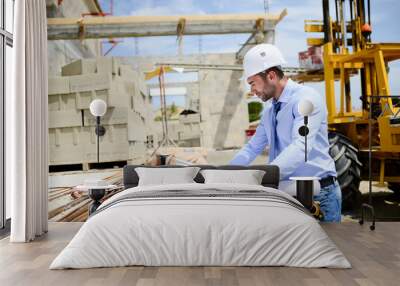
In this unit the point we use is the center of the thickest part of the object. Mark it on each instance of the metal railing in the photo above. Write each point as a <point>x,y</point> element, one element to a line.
<point>369,206</point>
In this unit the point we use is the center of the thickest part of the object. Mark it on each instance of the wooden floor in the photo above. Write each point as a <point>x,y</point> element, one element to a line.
<point>375,257</point>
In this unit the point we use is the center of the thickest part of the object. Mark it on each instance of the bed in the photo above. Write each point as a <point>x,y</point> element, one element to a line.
<point>198,224</point>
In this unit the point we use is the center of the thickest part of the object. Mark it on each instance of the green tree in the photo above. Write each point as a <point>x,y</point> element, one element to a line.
<point>255,109</point>
<point>173,108</point>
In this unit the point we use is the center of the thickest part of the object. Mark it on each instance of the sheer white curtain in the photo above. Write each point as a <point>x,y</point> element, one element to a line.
<point>26,123</point>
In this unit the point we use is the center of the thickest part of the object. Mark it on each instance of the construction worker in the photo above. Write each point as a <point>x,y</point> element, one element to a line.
<point>279,127</point>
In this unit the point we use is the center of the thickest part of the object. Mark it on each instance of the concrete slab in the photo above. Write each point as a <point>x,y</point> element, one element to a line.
<point>82,66</point>
<point>88,82</point>
<point>58,85</point>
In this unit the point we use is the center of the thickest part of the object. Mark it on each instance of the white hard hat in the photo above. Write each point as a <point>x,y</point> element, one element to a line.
<point>260,58</point>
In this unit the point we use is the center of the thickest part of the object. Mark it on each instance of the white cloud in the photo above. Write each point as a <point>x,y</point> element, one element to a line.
<point>173,7</point>
<point>394,76</point>
<point>290,35</point>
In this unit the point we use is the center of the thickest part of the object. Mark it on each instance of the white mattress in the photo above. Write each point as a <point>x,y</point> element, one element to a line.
<point>200,231</point>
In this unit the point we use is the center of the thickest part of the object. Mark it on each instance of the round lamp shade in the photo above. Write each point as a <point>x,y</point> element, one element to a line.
<point>305,107</point>
<point>98,107</point>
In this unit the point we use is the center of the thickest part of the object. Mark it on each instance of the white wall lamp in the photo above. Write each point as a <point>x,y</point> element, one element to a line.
<point>305,108</point>
<point>98,108</point>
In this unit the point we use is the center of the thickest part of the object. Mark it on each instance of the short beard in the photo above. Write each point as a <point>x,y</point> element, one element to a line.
<point>269,93</point>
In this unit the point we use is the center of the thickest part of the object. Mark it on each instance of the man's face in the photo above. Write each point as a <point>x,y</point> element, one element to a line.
<point>263,85</point>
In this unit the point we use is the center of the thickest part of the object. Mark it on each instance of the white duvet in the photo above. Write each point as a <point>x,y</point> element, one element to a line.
<point>200,231</point>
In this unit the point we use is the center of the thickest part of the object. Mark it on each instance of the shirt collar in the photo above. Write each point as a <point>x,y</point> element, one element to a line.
<point>286,93</point>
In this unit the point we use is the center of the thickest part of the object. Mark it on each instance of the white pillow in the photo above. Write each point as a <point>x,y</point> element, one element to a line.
<point>248,177</point>
<point>163,176</point>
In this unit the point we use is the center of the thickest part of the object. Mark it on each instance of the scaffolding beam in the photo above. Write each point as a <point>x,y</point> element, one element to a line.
<point>150,26</point>
<point>190,67</point>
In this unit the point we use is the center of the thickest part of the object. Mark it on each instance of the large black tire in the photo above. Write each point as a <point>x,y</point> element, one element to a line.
<point>348,169</point>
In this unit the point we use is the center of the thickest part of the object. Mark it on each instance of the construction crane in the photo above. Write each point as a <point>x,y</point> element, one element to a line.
<point>348,51</point>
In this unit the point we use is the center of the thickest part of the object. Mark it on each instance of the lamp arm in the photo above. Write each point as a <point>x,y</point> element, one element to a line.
<point>98,135</point>
<point>305,148</point>
<point>303,131</point>
<point>305,138</point>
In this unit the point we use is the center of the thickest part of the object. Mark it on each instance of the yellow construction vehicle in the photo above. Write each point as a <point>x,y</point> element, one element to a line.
<point>348,51</point>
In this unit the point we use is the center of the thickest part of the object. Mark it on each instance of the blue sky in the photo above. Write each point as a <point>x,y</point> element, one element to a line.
<point>290,37</point>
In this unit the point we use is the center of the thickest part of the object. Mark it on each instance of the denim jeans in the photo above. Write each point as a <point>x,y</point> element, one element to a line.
<point>330,199</point>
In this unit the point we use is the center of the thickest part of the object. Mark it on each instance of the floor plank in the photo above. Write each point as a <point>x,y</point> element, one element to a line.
<point>375,257</point>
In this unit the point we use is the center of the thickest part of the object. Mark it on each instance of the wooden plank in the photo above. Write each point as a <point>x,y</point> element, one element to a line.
<point>150,26</point>
<point>166,19</point>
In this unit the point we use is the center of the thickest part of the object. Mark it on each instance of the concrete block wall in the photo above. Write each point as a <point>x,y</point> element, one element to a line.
<point>128,120</point>
<point>189,118</point>
<point>218,96</point>
<point>79,67</point>
<point>225,116</point>
<point>61,53</point>
<point>183,134</point>
<point>189,131</point>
